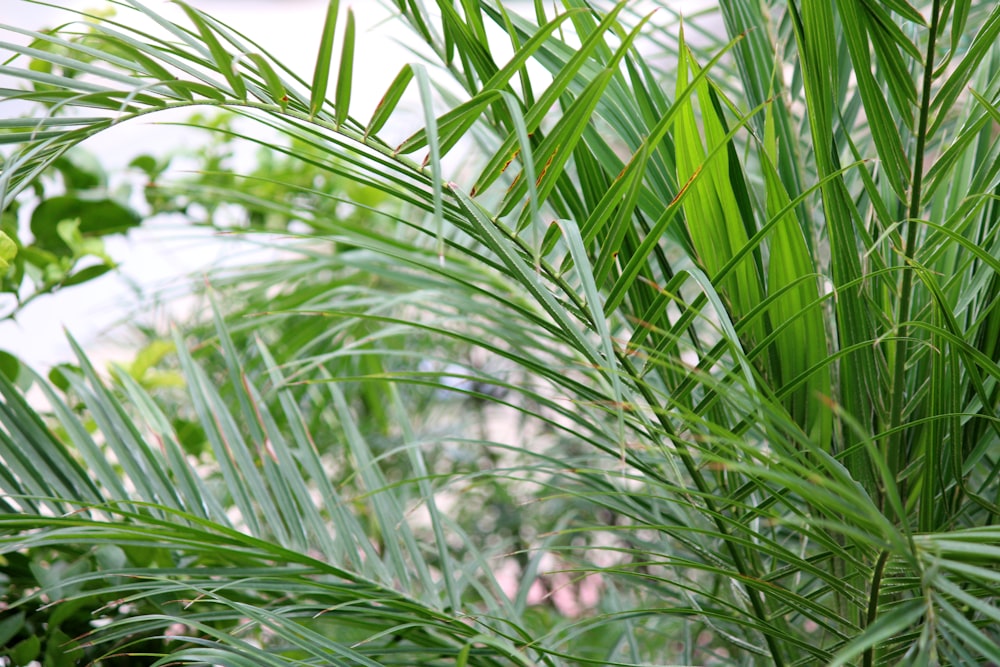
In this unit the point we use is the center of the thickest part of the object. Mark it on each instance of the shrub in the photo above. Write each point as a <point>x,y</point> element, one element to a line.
<point>739,301</point>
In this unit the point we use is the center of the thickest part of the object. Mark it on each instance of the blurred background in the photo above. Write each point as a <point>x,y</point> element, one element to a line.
<point>167,255</point>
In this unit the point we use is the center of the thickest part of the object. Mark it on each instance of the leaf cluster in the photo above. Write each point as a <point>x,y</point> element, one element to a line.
<point>736,295</point>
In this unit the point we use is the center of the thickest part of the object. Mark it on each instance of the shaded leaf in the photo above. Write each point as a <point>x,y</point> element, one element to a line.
<point>97,218</point>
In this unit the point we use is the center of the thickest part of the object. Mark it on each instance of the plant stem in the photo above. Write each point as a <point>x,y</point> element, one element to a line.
<point>894,453</point>
<point>869,656</point>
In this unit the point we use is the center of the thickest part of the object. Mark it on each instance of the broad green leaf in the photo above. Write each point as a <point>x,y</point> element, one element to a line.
<point>10,627</point>
<point>714,221</point>
<point>801,343</point>
<point>87,274</point>
<point>97,218</point>
<point>10,366</point>
<point>26,650</point>
<point>8,251</point>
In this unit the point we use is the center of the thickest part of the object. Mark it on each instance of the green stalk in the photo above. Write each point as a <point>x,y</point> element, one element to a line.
<point>869,656</point>
<point>894,455</point>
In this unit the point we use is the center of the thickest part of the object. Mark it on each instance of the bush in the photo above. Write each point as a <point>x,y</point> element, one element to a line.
<point>735,304</point>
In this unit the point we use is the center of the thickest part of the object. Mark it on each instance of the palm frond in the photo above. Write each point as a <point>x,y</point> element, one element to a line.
<point>745,329</point>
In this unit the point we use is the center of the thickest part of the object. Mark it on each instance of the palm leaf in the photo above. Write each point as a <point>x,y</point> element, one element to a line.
<point>799,471</point>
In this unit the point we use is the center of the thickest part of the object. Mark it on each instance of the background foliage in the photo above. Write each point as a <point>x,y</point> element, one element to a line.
<point>734,299</point>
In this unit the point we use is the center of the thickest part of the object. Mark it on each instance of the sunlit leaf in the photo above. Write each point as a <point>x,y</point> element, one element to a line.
<point>346,71</point>
<point>321,74</point>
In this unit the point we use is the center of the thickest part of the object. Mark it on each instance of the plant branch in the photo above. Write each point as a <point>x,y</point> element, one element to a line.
<point>869,656</point>
<point>894,454</point>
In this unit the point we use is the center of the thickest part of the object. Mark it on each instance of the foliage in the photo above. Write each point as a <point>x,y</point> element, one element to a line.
<point>72,210</point>
<point>73,207</point>
<point>739,297</point>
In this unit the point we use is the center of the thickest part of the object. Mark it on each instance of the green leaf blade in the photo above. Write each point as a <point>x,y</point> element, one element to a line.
<point>344,77</point>
<point>321,74</point>
<point>390,100</point>
<point>224,61</point>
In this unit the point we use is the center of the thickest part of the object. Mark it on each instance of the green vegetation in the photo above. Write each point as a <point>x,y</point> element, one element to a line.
<point>733,300</point>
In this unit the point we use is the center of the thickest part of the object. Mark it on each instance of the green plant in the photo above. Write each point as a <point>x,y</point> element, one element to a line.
<point>72,210</point>
<point>742,304</point>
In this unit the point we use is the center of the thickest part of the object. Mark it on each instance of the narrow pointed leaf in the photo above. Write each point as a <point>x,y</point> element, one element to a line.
<point>321,74</point>
<point>344,76</point>
<point>224,61</point>
<point>983,44</point>
<point>387,105</point>
<point>275,88</point>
